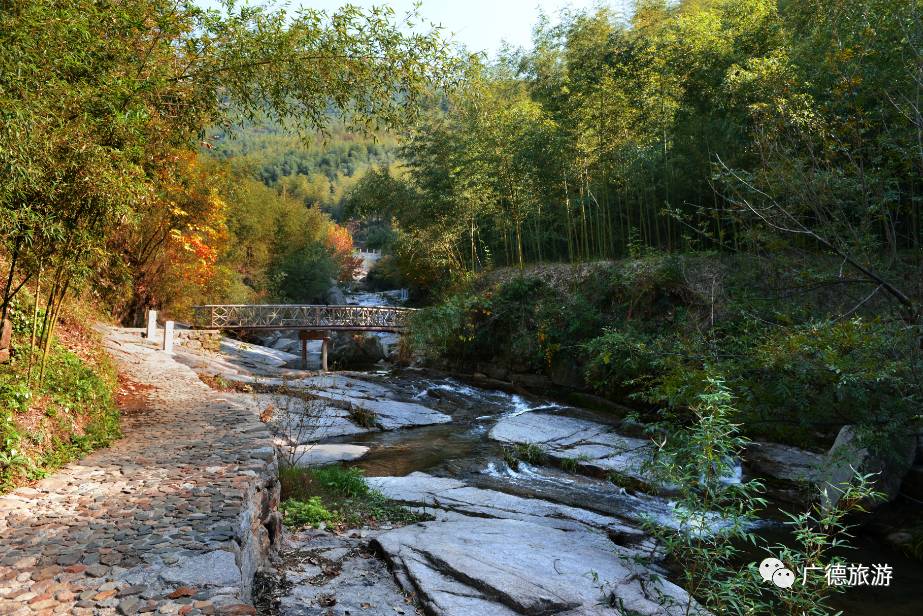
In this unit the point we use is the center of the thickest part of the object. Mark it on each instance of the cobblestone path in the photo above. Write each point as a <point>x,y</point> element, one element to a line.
<point>174,518</point>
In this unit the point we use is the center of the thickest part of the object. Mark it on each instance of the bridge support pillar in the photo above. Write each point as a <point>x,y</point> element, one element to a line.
<point>304,335</point>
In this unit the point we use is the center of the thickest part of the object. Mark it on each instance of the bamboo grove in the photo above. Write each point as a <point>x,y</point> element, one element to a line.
<point>686,125</point>
<point>105,105</point>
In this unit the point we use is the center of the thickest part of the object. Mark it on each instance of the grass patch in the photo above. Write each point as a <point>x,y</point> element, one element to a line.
<point>523,452</point>
<point>337,496</point>
<point>362,417</point>
<point>219,383</point>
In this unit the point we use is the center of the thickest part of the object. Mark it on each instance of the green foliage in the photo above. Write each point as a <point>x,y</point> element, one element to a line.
<point>385,275</point>
<point>298,513</point>
<point>529,452</point>
<point>714,517</point>
<point>304,275</point>
<point>69,414</point>
<point>337,495</point>
<point>103,105</point>
<point>363,417</point>
<point>344,481</point>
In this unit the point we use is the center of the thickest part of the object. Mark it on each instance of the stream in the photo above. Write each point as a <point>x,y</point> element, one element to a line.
<point>456,467</point>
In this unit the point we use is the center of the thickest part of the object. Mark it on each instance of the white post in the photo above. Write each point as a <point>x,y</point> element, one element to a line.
<point>151,324</point>
<point>168,336</point>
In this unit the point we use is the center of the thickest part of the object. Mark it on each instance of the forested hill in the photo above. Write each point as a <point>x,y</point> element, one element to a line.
<point>318,171</point>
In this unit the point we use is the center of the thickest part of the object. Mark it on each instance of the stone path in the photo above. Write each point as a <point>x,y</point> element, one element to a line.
<point>174,518</point>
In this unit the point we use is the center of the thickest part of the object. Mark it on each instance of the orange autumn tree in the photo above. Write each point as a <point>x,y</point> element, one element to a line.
<point>174,249</point>
<point>340,242</point>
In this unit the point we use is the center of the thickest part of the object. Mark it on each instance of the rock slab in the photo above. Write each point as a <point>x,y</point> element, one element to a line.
<point>470,566</point>
<point>593,447</point>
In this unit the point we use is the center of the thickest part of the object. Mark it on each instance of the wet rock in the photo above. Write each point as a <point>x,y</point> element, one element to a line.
<point>475,566</point>
<point>452,495</point>
<point>321,454</point>
<point>593,447</point>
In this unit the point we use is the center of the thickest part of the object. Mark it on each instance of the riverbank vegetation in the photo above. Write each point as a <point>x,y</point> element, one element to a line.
<point>336,496</point>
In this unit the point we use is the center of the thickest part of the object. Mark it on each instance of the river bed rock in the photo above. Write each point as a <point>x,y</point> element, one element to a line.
<point>594,448</point>
<point>388,414</point>
<point>326,453</point>
<point>439,493</point>
<point>847,456</point>
<point>475,566</point>
<point>295,421</point>
<point>336,574</point>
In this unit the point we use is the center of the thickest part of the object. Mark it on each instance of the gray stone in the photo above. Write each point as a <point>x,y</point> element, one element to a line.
<point>349,349</point>
<point>335,296</point>
<point>363,586</point>
<point>389,414</point>
<point>455,496</point>
<point>256,355</point>
<point>847,457</point>
<point>217,568</point>
<point>593,447</point>
<point>783,462</point>
<point>461,567</point>
<point>321,454</point>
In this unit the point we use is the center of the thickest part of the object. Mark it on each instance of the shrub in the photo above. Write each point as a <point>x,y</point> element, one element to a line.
<point>311,512</point>
<point>304,276</point>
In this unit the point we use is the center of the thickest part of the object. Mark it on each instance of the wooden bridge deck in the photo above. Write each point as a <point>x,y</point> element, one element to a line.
<point>302,317</point>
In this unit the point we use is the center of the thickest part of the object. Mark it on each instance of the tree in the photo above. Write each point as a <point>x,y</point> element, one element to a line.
<point>99,99</point>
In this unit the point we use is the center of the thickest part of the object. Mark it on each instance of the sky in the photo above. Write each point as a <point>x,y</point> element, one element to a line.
<point>480,25</point>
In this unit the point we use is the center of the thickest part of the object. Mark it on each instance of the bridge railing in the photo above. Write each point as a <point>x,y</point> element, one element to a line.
<point>301,316</point>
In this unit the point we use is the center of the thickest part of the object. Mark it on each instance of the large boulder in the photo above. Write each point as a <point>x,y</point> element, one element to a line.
<point>335,296</point>
<point>453,496</point>
<point>349,350</point>
<point>848,456</point>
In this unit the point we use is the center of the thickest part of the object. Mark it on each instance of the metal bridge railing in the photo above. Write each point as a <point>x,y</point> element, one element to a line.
<point>305,316</point>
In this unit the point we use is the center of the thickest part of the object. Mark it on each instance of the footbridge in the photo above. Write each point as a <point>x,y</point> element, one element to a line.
<point>312,321</point>
<point>245,317</point>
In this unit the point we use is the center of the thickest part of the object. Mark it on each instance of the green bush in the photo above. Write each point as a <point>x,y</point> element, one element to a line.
<point>304,275</point>
<point>312,512</point>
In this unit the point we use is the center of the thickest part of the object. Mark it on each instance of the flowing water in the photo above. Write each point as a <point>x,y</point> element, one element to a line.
<point>463,450</point>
